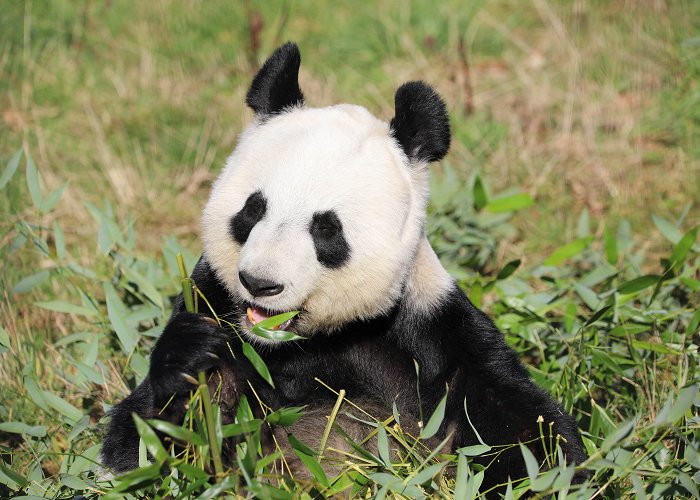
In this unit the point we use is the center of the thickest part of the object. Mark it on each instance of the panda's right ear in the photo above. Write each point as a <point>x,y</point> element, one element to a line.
<point>276,86</point>
<point>420,125</point>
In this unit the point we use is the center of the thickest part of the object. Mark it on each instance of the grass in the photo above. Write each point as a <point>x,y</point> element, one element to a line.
<point>590,109</point>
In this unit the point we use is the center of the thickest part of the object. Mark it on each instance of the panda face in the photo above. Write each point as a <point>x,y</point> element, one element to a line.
<point>319,211</point>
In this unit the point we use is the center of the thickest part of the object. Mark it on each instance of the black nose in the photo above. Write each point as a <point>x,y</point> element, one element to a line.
<point>259,287</point>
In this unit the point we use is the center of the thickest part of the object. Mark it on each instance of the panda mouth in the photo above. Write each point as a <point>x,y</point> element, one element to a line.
<point>255,315</point>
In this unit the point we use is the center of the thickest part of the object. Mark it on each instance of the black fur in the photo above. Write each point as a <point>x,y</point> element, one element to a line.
<point>456,345</point>
<point>421,125</point>
<point>332,250</point>
<point>245,220</point>
<point>276,85</point>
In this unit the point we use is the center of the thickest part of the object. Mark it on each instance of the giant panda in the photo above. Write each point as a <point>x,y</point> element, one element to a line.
<point>322,211</point>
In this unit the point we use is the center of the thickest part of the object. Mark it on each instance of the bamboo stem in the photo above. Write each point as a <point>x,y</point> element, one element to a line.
<point>329,425</point>
<point>209,417</point>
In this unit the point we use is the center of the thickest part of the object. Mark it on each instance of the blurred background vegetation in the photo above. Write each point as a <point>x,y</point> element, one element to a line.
<point>590,110</point>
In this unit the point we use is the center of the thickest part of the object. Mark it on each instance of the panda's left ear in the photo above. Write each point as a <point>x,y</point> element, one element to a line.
<point>276,85</point>
<point>421,125</point>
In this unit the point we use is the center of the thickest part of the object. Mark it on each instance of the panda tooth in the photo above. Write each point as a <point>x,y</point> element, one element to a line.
<point>249,313</point>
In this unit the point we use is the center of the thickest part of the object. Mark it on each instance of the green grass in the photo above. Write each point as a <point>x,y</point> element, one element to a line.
<point>591,109</point>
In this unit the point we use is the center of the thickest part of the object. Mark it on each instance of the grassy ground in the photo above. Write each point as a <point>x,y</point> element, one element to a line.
<point>591,108</point>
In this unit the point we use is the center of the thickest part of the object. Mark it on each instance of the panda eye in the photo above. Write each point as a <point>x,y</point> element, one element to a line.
<point>245,220</point>
<point>325,225</point>
<point>332,249</point>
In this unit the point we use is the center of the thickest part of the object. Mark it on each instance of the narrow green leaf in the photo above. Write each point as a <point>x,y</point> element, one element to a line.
<point>567,251</point>
<point>583,227</point>
<point>35,393</point>
<point>151,440</point>
<point>22,428</point>
<point>508,269</point>
<point>476,293</point>
<point>610,246</point>
<point>479,192</point>
<point>509,203</point>
<point>694,323</point>
<point>285,416</point>
<point>10,169</point>
<point>4,337</point>
<point>599,314</point>
<point>257,363</point>
<point>178,432</point>
<point>383,447</point>
<point>687,482</point>
<point>276,320</point>
<point>474,450</point>
<point>298,445</point>
<point>621,432</point>
<point>668,230</point>
<point>73,482</point>
<point>680,251</point>
<point>314,467</point>
<point>59,241</point>
<point>11,478</point>
<point>460,491</point>
<point>29,282</point>
<point>686,398</point>
<point>53,198</point>
<point>117,312</point>
<point>33,183</point>
<point>435,420</point>
<point>636,285</point>
<point>62,406</point>
<point>427,474</point>
<point>530,462</point>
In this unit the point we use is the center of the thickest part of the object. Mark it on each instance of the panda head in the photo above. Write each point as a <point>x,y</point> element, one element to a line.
<point>321,210</point>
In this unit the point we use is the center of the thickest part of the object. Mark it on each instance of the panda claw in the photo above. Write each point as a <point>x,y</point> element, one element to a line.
<point>210,320</point>
<point>213,356</point>
<point>189,378</point>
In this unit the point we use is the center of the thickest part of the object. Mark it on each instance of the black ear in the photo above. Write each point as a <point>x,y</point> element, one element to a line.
<point>276,85</point>
<point>421,125</point>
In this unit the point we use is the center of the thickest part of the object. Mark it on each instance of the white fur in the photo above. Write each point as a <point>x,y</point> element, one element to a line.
<point>309,160</point>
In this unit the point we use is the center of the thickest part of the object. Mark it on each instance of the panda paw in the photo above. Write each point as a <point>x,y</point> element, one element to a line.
<point>190,343</point>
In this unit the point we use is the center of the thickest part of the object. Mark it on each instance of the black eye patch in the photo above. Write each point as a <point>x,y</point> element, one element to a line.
<point>244,221</point>
<point>332,250</point>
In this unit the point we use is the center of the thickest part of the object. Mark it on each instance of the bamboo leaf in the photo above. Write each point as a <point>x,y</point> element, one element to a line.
<point>610,246</point>
<point>62,406</point>
<point>29,282</point>
<point>530,462</point>
<point>33,183</point>
<point>150,439</point>
<point>509,203</point>
<point>22,428</point>
<point>435,420</point>
<point>117,312</point>
<point>668,230</point>
<point>383,447</point>
<point>177,431</point>
<point>257,363</point>
<point>479,192</point>
<point>636,285</point>
<point>680,251</point>
<point>567,251</point>
<point>474,450</point>
<point>508,269</point>
<point>10,169</point>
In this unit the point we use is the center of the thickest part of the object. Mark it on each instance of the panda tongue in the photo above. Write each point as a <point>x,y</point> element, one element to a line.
<point>256,315</point>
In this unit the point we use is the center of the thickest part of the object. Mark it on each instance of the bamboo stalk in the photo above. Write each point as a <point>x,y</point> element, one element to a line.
<point>209,417</point>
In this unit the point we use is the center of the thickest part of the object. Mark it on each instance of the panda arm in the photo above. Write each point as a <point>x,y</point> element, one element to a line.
<point>459,345</point>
